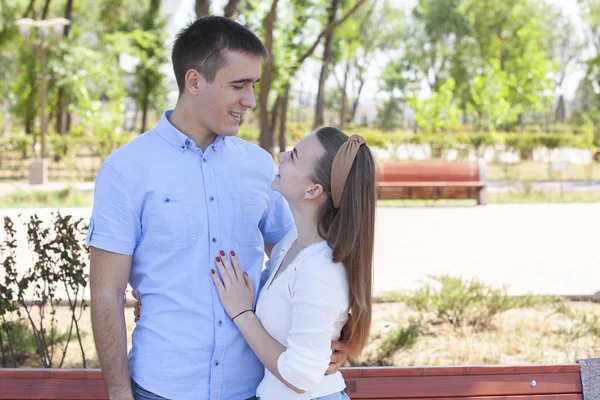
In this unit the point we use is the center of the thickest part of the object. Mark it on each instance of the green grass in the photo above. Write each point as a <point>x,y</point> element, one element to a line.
<point>67,197</point>
<point>536,171</point>
<point>501,198</point>
<point>544,197</point>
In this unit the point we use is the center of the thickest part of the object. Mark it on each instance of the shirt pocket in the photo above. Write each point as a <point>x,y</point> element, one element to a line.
<point>248,211</point>
<point>172,222</point>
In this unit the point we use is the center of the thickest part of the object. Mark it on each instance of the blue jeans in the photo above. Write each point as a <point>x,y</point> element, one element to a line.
<point>332,396</point>
<point>139,393</point>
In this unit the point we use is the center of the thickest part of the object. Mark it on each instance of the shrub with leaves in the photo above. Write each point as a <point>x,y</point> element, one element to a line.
<point>399,338</point>
<point>32,297</point>
<point>463,303</point>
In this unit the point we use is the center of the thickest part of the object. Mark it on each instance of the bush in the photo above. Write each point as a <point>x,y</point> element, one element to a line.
<point>581,324</point>
<point>401,338</point>
<point>60,256</point>
<point>19,344</point>
<point>464,303</point>
<point>21,143</point>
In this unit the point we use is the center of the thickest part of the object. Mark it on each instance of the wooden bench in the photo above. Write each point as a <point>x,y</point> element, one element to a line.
<point>528,382</point>
<point>432,180</point>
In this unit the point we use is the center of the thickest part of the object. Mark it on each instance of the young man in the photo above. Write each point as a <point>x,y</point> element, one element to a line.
<point>165,205</point>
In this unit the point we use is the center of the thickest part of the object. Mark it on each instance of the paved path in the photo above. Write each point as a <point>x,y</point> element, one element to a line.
<point>539,248</point>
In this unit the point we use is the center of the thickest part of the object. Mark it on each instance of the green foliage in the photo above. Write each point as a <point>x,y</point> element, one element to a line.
<point>582,324</point>
<point>60,257</point>
<point>437,113</point>
<point>19,143</point>
<point>398,339</point>
<point>489,99</point>
<point>498,57</point>
<point>463,303</point>
<point>67,197</point>
<point>19,344</point>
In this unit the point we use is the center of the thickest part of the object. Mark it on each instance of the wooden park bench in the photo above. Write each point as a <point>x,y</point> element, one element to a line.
<point>527,382</point>
<point>428,180</point>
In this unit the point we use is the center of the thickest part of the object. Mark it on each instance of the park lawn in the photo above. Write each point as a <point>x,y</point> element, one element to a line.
<point>536,335</point>
<point>536,171</point>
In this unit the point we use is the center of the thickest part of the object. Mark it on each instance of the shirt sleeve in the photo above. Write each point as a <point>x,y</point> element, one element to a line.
<point>278,220</point>
<point>318,296</point>
<point>115,224</point>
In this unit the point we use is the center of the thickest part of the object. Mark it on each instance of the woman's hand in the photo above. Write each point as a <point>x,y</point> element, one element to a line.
<point>235,288</point>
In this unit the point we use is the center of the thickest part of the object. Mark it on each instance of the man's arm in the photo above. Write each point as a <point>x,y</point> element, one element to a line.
<point>109,273</point>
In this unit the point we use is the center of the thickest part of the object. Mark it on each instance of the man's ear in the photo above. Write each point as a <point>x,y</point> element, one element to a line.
<point>194,81</point>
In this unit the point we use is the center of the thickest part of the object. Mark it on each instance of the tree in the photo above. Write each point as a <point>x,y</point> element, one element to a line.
<point>149,88</point>
<point>325,65</point>
<point>438,113</point>
<point>202,8</point>
<point>489,99</point>
<point>565,48</point>
<point>293,61</point>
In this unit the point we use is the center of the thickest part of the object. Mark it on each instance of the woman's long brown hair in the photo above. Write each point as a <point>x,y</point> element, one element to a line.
<point>350,230</point>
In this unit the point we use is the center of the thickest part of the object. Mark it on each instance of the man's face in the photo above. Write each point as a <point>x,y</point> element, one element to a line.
<point>220,104</point>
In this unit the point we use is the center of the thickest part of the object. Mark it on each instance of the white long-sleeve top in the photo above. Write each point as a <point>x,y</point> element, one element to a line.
<point>304,309</point>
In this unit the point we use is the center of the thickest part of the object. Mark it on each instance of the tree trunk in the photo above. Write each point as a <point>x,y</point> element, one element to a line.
<point>202,8</point>
<point>62,92</point>
<point>266,139</point>
<point>69,16</point>
<point>46,9</point>
<point>327,55</point>
<point>361,84</point>
<point>344,104</point>
<point>30,9</point>
<point>231,7</point>
<point>559,114</point>
<point>30,112</point>
<point>274,114</point>
<point>283,118</point>
<point>145,104</point>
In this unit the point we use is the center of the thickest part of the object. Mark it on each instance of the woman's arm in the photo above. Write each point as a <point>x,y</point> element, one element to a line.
<point>236,291</point>
<point>267,349</point>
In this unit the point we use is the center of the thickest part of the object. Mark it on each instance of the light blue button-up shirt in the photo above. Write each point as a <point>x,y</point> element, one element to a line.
<point>174,207</point>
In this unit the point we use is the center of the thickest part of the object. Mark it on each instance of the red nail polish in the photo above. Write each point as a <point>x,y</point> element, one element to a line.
<point>233,253</point>
<point>222,253</point>
<point>218,259</point>
<point>213,271</point>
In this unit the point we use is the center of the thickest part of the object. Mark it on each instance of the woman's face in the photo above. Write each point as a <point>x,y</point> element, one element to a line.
<point>296,171</point>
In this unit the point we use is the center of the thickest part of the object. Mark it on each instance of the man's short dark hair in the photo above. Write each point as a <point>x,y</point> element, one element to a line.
<point>202,45</point>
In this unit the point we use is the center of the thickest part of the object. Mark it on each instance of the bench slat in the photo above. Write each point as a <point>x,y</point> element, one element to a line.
<point>463,386</point>
<point>460,370</point>
<point>428,171</point>
<point>384,185</point>
<point>553,382</point>
<point>534,397</point>
<point>51,389</point>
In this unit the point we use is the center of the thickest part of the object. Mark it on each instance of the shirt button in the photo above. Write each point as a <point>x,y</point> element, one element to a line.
<point>182,147</point>
<point>214,240</point>
<point>204,159</point>
<point>216,363</point>
<point>211,198</point>
<point>220,323</point>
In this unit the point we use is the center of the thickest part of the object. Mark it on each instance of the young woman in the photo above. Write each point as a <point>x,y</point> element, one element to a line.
<point>320,272</point>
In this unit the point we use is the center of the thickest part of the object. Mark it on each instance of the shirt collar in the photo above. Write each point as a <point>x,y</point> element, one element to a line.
<point>175,137</point>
